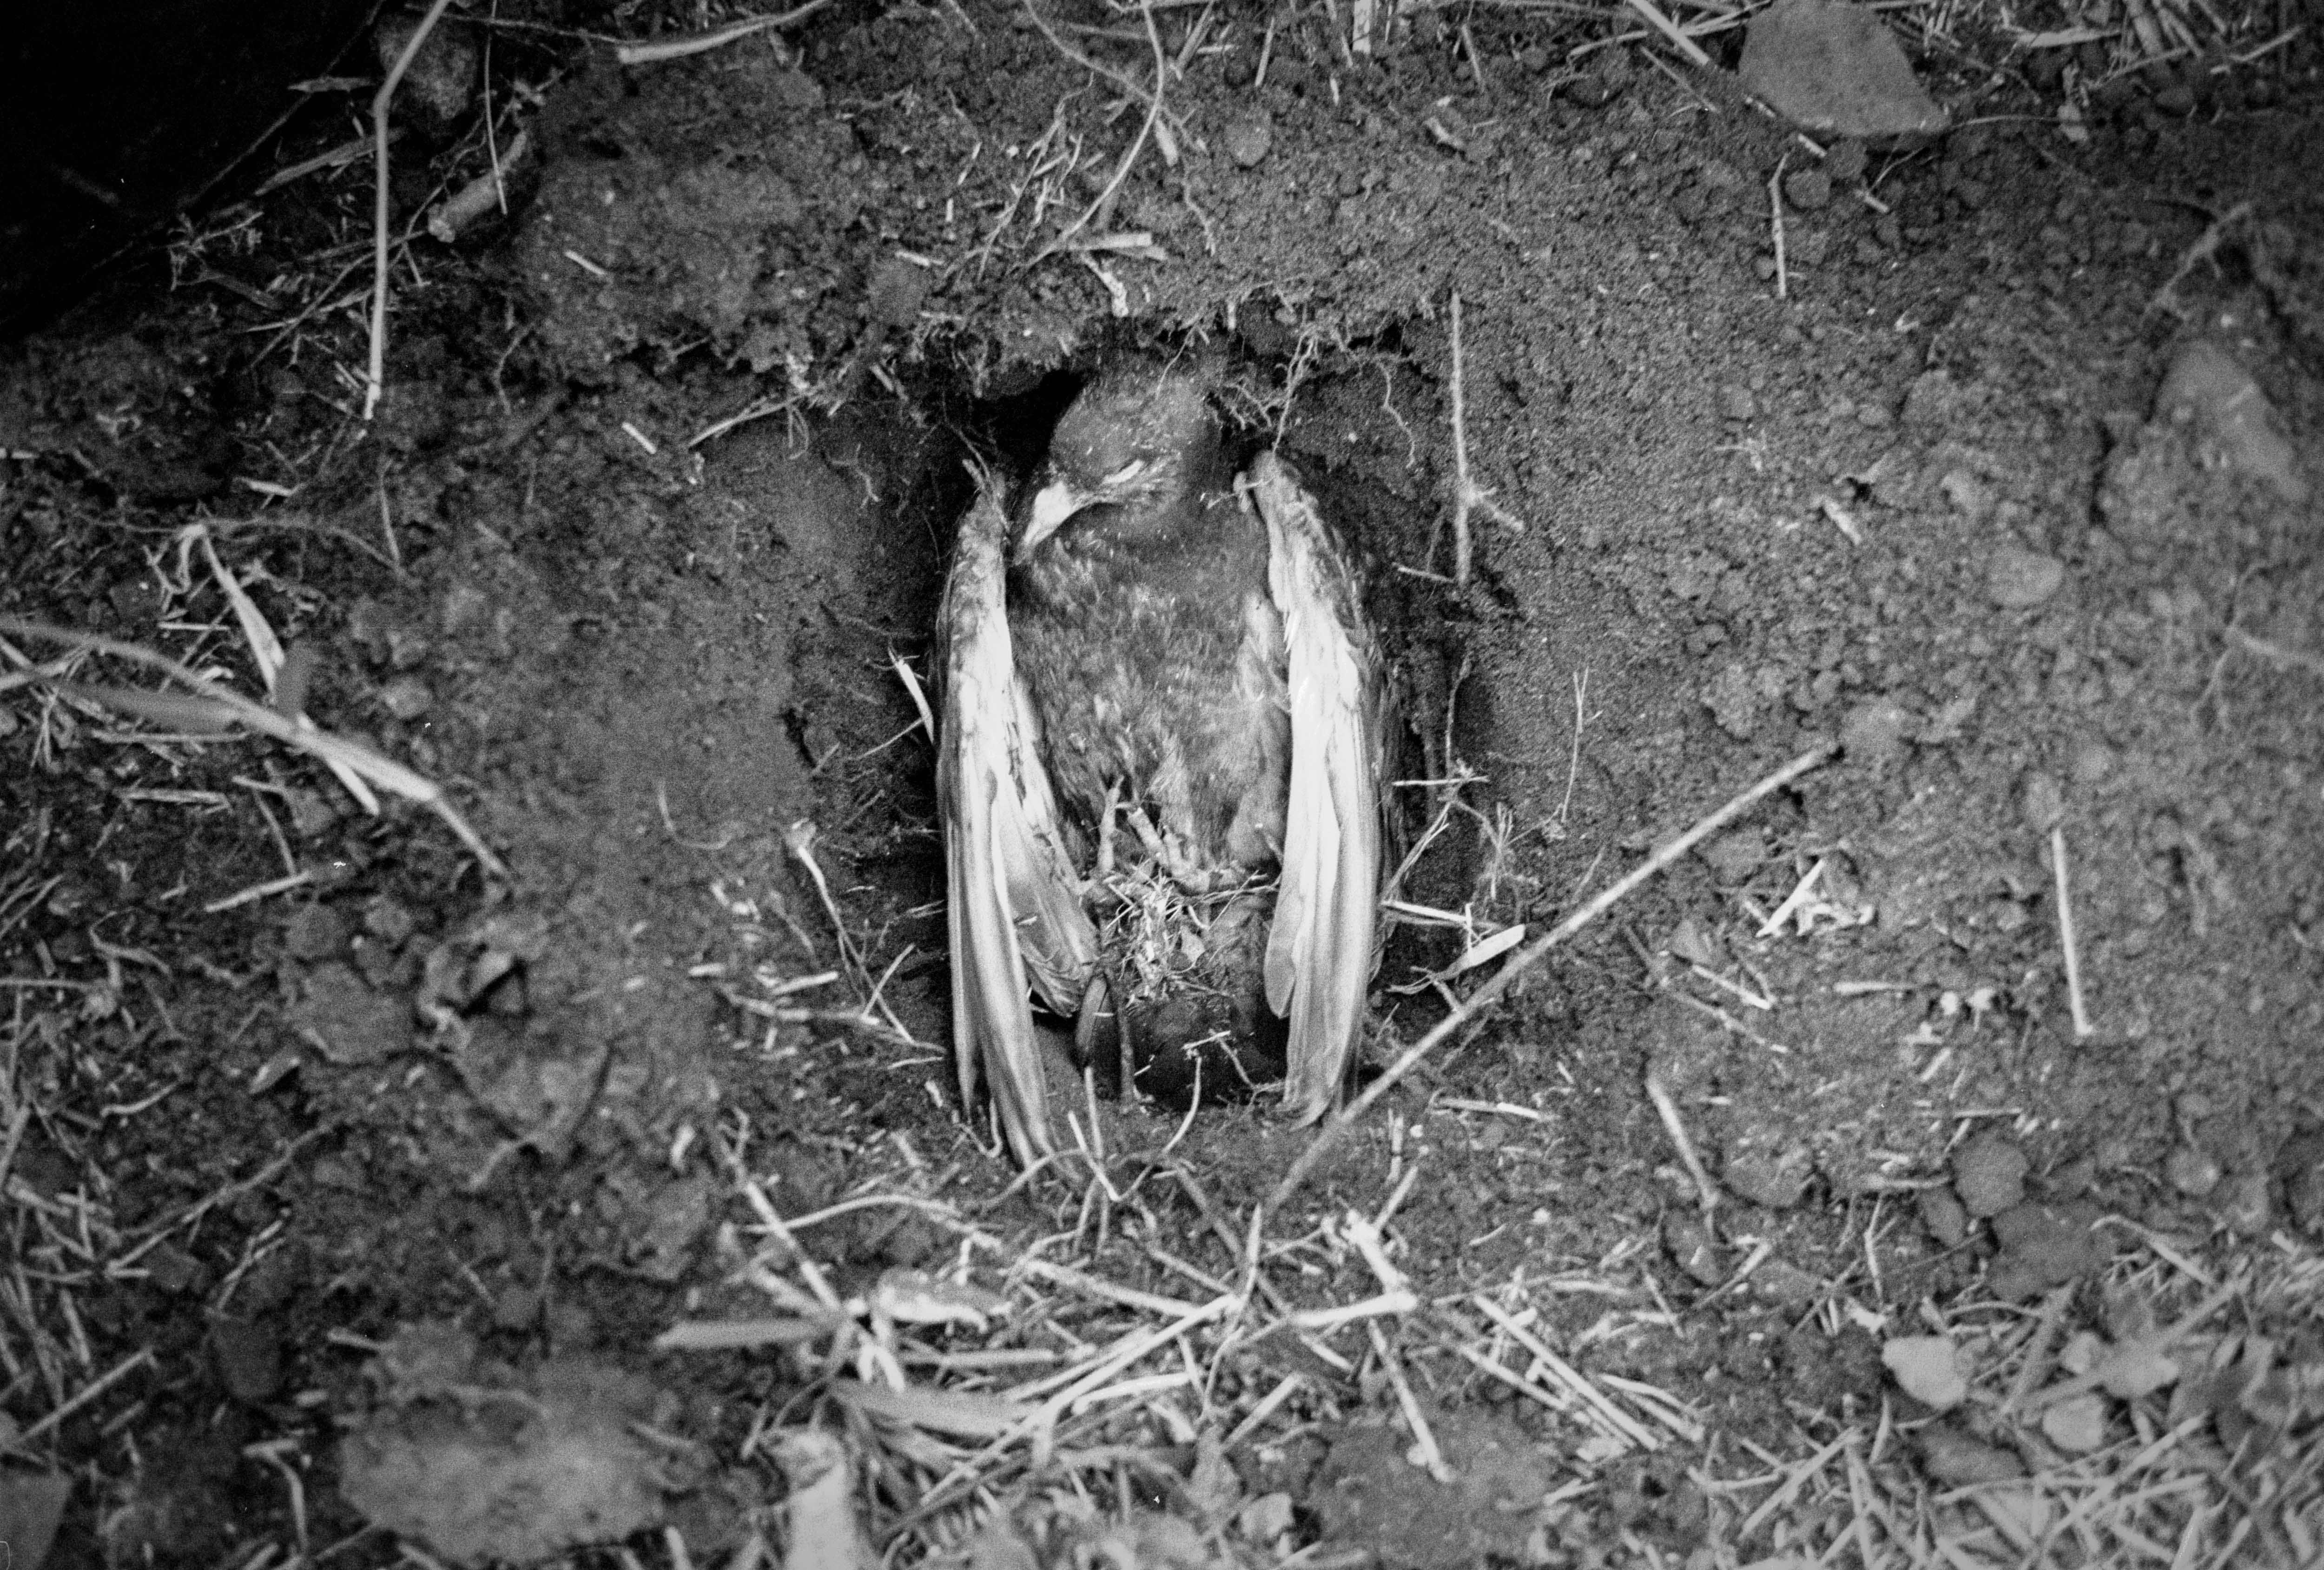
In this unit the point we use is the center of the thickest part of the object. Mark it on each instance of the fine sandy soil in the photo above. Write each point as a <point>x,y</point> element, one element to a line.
<point>1923,499</point>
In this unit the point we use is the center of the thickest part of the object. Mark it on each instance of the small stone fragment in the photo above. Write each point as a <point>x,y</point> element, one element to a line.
<point>1989,1174</point>
<point>1873,731</point>
<point>1785,1285</point>
<point>1833,70</point>
<point>2093,761</point>
<point>2076,1424</point>
<point>249,1359</point>
<point>2208,388</point>
<point>2192,1170</point>
<point>1692,1248</point>
<point>315,932</point>
<point>1776,1181</point>
<point>407,698</point>
<point>1736,402</point>
<point>1844,162</point>
<point>2044,1246</point>
<point>1926,1370</point>
<point>2017,578</point>
<point>2043,800</point>
<point>1957,1461</point>
<point>1249,139</point>
<point>1945,1216</point>
<point>1807,188</point>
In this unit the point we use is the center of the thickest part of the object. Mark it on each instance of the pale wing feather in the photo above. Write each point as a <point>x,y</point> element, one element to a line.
<point>1013,906</point>
<point>1320,948</point>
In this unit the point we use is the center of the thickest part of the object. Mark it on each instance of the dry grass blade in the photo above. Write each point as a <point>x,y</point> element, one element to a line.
<point>215,705</point>
<point>1526,958</point>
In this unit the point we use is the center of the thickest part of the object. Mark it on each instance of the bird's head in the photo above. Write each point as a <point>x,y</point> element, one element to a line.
<point>1135,434</point>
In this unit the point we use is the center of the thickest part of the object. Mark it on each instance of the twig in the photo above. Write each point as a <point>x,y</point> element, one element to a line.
<point>1668,29</point>
<point>1105,202</point>
<point>217,705</point>
<point>1526,958</point>
<point>375,377</point>
<point>632,54</point>
<point>1776,224</point>
<point>1666,1107</point>
<point>1468,496</point>
<point>2066,933</point>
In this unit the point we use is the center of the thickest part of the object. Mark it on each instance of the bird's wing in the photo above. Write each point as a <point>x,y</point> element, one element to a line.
<point>1319,950</point>
<point>1013,903</point>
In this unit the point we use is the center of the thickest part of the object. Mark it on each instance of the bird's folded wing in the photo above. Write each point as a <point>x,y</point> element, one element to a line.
<point>1013,903</point>
<point>1319,950</point>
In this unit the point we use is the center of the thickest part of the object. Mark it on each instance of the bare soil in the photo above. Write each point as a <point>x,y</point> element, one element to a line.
<point>248,1144</point>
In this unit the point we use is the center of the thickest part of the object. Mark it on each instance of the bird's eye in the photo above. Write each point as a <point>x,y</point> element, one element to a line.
<point>1125,474</point>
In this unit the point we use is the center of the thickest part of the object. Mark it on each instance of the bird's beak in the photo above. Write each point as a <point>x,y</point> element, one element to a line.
<point>1052,504</point>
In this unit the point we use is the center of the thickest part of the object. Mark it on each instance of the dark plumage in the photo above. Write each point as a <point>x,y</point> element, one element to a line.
<point>1160,762</point>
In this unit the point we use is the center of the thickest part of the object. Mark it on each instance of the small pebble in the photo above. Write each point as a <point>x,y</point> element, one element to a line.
<point>1591,91</point>
<point>1249,139</point>
<point>1844,162</point>
<point>1945,1216</point>
<point>1926,1370</point>
<point>1691,1247</point>
<point>407,698</point>
<point>1736,402</point>
<point>1955,1460</point>
<point>1777,1181</point>
<point>2192,1171</point>
<point>249,1359</point>
<point>1807,188</point>
<point>1873,730</point>
<point>1989,1174</point>
<point>2076,1424</point>
<point>2018,578</point>
<point>2092,762</point>
<point>2043,800</point>
<point>314,932</point>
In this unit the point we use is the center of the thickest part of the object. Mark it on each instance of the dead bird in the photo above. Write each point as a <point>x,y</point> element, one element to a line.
<point>1160,765</point>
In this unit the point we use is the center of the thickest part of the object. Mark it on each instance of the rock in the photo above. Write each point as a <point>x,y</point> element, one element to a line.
<point>389,918</point>
<point>441,80</point>
<point>1955,1461</point>
<point>2042,800</point>
<point>2042,1246</point>
<point>1249,139</point>
<point>407,698</point>
<point>1844,162</point>
<point>1971,496</point>
<point>2017,578</point>
<point>2076,1424</point>
<point>315,932</point>
<point>1926,1370</point>
<point>1734,857</point>
<point>1591,90</point>
<point>1932,401</point>
<point>1989,1174</point>
<point>1786,1286</point>
<point>1777,1181</point>
<point>2093,760</point>
<point>346,1022</point>
<point>2208,389</point>
<point>1692,1247</point>
<point>2192,1170</point>
<point>1807,188</point>
<point>1831,69</point>
<point>1873,731</point>
<point>32,1504</point>
<point>249,1359</point>
<point>1945,1216</point>
<point>1734,701</point>
<point>2243,1202</point>
<point>1736,402</point>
